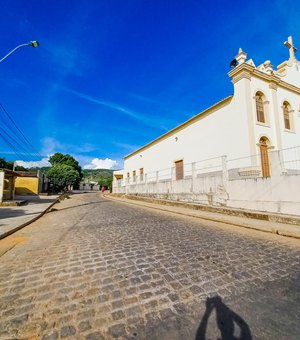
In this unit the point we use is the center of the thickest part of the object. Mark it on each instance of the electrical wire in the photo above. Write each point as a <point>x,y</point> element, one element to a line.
<point>12,126</point>
<point>24,147</point>
<point>18,143</point>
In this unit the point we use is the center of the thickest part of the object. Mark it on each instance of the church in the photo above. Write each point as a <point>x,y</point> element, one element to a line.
<point>249,140</point>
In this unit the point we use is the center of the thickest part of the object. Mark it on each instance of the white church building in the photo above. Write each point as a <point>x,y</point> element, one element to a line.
<point>242,152</point>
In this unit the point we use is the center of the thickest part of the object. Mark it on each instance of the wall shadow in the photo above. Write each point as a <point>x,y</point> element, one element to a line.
<point>6,212</point>
<point>79,205</point>
<point>24,191</point>
<point>228,322</point>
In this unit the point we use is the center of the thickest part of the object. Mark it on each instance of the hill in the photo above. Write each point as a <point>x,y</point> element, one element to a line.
<point>101,176</point>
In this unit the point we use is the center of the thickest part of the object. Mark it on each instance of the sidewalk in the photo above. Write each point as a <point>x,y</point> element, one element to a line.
<point>266,222</point>
<point>13,218</point>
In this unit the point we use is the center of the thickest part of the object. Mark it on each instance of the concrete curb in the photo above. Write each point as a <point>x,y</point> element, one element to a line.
<point>21,226</point>
<point>228,219</point>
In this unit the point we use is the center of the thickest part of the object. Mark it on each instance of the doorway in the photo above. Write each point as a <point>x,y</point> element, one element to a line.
<point>264,157</point>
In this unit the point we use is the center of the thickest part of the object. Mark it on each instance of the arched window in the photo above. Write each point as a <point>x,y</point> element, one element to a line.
<point>286,115</point>
<point>260,113</point>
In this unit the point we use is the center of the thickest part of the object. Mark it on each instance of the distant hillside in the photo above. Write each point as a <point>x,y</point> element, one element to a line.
<point>101,176</point>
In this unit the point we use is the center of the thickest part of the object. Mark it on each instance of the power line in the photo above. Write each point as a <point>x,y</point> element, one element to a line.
<point>18,133</point>
<point>16,140</point>
<point>17,144</point>
<point>24,147</point>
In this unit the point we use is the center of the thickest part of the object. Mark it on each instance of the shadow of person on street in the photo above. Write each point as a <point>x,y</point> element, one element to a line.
<point>228,322</point>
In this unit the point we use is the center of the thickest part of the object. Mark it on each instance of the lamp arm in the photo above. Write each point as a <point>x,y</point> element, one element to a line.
<point>9,53</point>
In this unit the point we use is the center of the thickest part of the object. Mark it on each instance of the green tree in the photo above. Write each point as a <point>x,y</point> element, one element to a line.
<point>61,159</point>
<point>10,165</point>
<point>63,176</point>
<point>2,163</point>
<point>6,164</point>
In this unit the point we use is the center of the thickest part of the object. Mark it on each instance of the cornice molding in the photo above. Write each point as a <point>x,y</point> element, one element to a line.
<point>247,71</point>
<point>273,86</point>
<point>240,68</point>
<point>241,75</point>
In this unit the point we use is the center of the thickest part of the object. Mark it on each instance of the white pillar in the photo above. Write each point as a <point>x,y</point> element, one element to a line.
<point>224,171</point>
<point>1,185</point>
<point>193,176</point>
<point>275,163</point>
<point>275,110</point>
<point>243,99</point>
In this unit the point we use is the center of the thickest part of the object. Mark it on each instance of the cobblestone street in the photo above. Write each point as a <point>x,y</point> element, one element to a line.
<point>94,268</point>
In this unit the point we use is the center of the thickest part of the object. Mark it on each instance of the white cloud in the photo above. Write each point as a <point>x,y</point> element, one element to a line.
<point>34,164</point>
<point>98,163</point>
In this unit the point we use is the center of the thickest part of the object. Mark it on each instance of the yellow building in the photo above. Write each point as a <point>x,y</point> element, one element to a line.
<point>27,183</point>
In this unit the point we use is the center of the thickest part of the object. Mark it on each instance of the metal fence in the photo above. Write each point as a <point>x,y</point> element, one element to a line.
<point>233,169</point>
<point>290,160</point>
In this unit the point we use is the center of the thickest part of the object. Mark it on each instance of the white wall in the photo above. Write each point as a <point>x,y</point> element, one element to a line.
<point>230,128</point>
<point>211,135</point>
<point>279,193</point>
<point>288,138</point>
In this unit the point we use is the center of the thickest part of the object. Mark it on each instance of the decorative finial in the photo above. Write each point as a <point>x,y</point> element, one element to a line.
<point>241,56</point>
<point>268,66</point>
<point>291,47</point>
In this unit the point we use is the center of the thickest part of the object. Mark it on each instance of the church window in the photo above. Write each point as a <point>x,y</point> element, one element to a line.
<point>179,169</point>
<point>286,115</point>
<point>260,113</point>
<point>134,175</point>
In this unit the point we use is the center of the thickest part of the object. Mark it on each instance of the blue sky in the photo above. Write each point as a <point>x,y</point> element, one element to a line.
<point>110,76</point>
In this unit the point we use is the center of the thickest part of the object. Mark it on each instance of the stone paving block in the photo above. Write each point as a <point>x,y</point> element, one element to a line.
<point>117,331</point>
<point>139,272</point>
<point>84,326</point>
<point>95,336</point>
<point>67,331</point>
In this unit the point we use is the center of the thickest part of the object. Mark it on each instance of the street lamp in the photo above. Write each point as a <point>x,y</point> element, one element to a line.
<point>33,43</point>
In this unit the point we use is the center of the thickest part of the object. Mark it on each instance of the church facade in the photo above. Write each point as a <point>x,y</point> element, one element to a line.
<point>237,135</point>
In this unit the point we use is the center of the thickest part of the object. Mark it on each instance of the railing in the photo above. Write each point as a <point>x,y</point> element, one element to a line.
<point>232,169</point>
<point>290,160</point>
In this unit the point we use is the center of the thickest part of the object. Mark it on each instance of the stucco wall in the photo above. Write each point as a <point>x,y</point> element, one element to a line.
<point>286,138</point>
<point>230,128</point>
<point>27,186</point>
<point>278,193</point>
<point>210,135</point>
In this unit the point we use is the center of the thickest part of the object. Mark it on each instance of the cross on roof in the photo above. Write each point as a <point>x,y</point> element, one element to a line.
<point>291,47</point>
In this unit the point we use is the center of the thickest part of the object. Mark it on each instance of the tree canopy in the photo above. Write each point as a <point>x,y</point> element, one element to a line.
<point>65,171</point>
<point>4,164</point>
<point>59,158</point>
